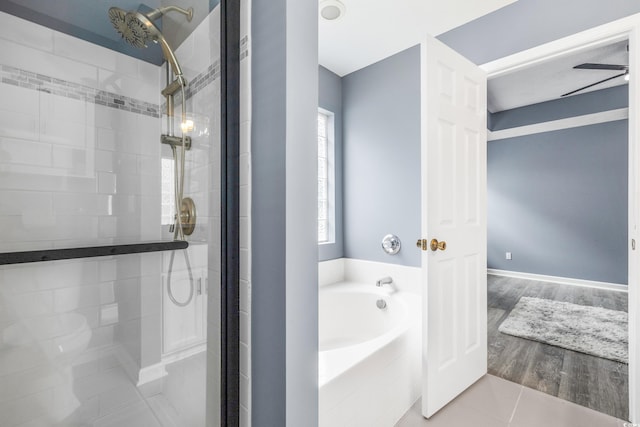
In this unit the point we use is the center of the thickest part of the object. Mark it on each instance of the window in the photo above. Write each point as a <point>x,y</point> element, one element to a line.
<point>326,210</point>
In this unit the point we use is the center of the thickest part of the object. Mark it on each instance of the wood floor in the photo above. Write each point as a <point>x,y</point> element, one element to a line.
<point>589,381</point>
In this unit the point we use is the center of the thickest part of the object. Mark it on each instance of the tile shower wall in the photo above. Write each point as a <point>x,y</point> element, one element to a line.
<point>91,175</point>
<point>79,165</point>
<point>78,141</point>
<point>199,56</point>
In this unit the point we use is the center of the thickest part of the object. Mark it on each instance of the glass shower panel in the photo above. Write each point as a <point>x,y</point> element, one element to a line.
<point>118,340</point>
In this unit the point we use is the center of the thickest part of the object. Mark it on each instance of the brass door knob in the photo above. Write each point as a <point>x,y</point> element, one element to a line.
<point>422,244</point>
<point>435,245</point>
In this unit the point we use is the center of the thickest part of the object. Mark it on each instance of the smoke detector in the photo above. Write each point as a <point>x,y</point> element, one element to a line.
<point>332,10</point>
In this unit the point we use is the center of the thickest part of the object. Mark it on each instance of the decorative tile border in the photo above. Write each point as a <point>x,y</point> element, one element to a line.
<point>40,82</point>
<point>203,79</point>
<point>244,47</point>
<point>213,71</point>
<point>30,80</point>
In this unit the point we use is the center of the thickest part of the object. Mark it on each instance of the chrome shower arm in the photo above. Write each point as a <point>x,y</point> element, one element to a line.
<point>157,13</point>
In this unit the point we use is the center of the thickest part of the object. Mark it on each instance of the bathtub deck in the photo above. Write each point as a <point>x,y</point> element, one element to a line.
<point>589,381</point>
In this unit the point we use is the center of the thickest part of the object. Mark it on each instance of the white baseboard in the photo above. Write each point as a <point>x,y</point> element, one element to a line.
<point>560,280</point>
<point>151,373</point>
<point>129,365</point>
<point>138,376</point>
<point>156,371</point>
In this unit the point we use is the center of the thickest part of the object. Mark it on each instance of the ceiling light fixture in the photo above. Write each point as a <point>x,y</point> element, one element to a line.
<point>332,10</point>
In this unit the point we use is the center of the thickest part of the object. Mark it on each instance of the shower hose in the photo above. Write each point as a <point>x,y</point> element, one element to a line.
<point>178,181</point>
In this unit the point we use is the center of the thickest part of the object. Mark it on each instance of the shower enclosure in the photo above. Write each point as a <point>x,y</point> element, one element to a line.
<point>118,213</point>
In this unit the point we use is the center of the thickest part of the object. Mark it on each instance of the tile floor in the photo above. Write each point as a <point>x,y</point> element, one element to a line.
<point>109,399</point>
<point>494,402</point>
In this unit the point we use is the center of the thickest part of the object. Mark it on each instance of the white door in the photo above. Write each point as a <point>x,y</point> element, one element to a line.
<point>454,170</point>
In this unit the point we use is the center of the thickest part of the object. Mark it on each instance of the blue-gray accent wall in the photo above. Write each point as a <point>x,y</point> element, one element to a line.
<point>284,240</point>
<point>381,107</point>
<point>577,105</point>
<point>268,198</point>
<point>330,98</point>
<point>558,202</point>
<point>528,23</point>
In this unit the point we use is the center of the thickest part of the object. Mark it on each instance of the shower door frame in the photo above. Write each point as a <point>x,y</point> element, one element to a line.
<point>230,212</point>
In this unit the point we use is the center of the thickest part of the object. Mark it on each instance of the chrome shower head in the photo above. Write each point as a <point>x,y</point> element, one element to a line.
<point>136,28</point>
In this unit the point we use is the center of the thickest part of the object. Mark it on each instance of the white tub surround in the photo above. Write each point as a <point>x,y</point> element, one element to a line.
<point>369,361</point>
<point>405,279</point>
<point>352,326</point>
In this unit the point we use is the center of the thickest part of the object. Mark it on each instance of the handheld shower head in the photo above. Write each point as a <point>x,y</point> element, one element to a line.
<point>123,23</point>
<point>136,28</point>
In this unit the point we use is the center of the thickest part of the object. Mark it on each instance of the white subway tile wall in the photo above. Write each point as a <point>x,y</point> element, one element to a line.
<point>80,164</point>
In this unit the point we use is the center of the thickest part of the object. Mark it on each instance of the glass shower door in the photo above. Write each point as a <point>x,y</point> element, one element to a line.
<point>94,331</point>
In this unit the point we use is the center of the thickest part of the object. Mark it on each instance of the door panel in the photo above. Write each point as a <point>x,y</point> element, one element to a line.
<point>454,211</point>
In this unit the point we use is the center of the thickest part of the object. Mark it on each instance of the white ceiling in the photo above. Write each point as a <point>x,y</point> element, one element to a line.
<point>372,30</point>
<point>549,80</point>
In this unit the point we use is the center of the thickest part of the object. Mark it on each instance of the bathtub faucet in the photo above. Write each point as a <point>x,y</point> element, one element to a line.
<point>384,281</point>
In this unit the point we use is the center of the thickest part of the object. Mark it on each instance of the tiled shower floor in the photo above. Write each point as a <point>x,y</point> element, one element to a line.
<point>110,399</point>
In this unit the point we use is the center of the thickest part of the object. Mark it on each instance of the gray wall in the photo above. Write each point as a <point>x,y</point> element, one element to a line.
<point>586,103</point>
<point>330,98</point>
<point>528,23</point>
<point>558,202</point>
<point>521,25</point>
<point>381,106</point>
<point>284,324</point>
<point>302,213</point>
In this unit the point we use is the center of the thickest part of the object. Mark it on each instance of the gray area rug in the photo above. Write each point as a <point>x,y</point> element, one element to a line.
<point>591,330</point>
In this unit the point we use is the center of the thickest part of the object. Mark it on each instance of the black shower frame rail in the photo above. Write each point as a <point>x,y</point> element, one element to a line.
<point>230,262</point>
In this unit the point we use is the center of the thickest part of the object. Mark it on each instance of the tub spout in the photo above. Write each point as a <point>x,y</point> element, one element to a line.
<point>384,281</point>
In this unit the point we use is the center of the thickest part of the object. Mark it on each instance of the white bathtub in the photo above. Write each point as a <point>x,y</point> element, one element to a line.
<point>369,361</point>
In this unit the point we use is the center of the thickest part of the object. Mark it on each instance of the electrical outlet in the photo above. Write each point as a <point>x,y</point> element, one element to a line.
<point>507,255</point>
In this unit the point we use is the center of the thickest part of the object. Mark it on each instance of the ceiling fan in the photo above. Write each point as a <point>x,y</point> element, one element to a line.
<point>606,67</point>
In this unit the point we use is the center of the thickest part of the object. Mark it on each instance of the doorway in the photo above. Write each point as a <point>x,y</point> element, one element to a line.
<point>569,369</point>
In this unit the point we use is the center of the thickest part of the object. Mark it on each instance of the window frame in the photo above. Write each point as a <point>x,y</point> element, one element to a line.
<point>330,177</point>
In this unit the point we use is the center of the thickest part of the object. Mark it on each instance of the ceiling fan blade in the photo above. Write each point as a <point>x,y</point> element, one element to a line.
<point>590,66</point>
<point>593,84</point>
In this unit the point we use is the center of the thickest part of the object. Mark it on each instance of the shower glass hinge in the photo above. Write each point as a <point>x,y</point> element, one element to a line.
<point>176,141</point>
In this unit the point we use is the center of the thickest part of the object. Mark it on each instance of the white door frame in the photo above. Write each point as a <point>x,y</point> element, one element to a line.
<point>626,28</point>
